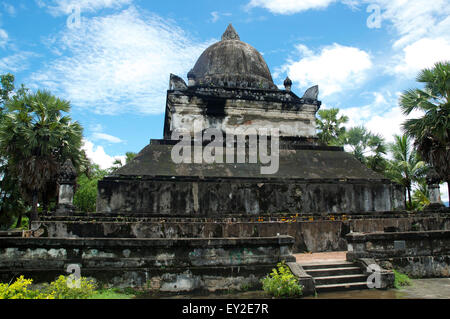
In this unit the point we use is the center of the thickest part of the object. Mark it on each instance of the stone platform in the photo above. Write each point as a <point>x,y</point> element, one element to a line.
<point>312,233</point>
<point>311,179</point>
<point>419,254</point>
<point>166,265</point>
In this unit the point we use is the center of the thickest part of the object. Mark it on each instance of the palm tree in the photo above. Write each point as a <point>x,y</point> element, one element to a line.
<point>406,166</point>
<point>431,132</point>
<point>129,156</point>
<point>11,202</point>
<point>421,196</point>
<point>330,127</point>
<point>36,138</point>
<point>367,147</point>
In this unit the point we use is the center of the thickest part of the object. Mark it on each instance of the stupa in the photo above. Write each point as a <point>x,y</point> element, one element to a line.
<point>230,89</point>
<point>174,225</point>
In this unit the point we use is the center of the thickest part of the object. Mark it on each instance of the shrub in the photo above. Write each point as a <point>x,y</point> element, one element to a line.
<point>62,290</point>
<point>58,289</point>
<point>401,280</point>
<point>20,290</point>
<point>282,283</point>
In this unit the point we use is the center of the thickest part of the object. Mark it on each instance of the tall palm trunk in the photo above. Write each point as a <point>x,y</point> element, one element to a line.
<point>409,197</point>
<point>19,220</point>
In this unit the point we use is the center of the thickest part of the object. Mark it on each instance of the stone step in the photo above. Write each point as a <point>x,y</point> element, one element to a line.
<point>338,264</point>
<point>338,271</point>
<point>340,279</point>
<point>342,286</point>
<point>11,233</point>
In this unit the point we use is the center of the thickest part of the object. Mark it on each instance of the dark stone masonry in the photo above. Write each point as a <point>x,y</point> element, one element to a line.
<point>419,254</point>
<point>166,265</point>
<point>313,233</point>
<point>231,90</point>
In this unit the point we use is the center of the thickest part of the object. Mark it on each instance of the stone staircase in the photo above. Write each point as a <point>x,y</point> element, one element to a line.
<point>332,276</point>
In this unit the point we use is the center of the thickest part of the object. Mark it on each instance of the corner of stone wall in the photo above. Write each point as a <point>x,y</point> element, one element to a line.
<point>309,288</point>
<point>380,277</point>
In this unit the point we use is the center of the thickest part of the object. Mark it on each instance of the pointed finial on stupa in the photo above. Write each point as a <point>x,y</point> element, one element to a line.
<point>230,34</point>
<point>287,84</point>
<point>191,77</point>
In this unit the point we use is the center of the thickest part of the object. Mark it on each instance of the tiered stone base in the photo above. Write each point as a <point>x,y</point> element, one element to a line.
<point>166,265</point>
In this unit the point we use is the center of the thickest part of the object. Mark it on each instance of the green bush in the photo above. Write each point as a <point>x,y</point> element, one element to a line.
<point>62,290</point>
<point>20,289</point>
<point>86,195</point>
<point>58,289</point>
<point>282,283</point>
<point>24,223</point>
<point>401,280</point>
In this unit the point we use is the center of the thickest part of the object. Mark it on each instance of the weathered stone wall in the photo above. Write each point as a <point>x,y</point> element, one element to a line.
<point>318,235</point>
<point>202,198</point>
<point>161,264</point>
<point>229,109</point>
<point>418,254</point>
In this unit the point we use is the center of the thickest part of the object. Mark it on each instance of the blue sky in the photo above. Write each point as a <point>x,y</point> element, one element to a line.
<point>112,58</point>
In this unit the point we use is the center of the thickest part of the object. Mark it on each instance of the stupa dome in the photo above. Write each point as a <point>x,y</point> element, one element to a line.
<point>231,63</point>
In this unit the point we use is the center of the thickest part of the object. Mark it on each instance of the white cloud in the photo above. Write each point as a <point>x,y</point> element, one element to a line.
<point>289,6</point>
<point>414,19</point>
<point>106,137</point>
<point>3,38</point>
<point>421,28</point>
<point>423,53</point>
<point>98,134</point>
<point>15,62</point>
<point>98,155</point>
<point>389,123</point>
<point>422,33</point>
<point>119,63</point>
<point>215,16</point>
<point>12,60</point>
<point>10,9</point>
<point>383,116</point>
<point>64,7</point>
<point>334,68</point>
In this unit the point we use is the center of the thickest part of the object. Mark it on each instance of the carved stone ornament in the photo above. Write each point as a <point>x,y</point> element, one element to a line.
<point>67,173</point>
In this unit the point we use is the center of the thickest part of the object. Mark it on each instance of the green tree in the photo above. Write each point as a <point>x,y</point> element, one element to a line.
<point>6,89</point>
<point>11,203</point>
<point>406,167</point>
<point>330,127</point>
<point>431,132</point>
<point>421,196</point>
<point>36,137</point>
<point>367,147</point>
<point>85,197</point>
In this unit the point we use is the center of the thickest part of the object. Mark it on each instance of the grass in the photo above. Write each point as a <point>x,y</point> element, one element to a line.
<point>113,293</point>
<point>401,280</point>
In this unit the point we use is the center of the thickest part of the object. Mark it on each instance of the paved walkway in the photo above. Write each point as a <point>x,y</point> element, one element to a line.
<point>308,258</point>
<point>434,288</point>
